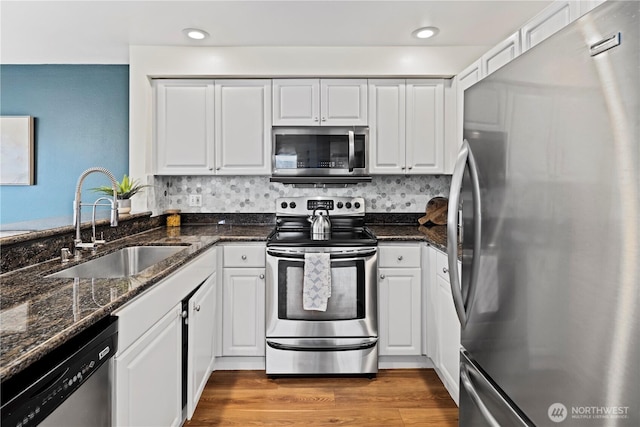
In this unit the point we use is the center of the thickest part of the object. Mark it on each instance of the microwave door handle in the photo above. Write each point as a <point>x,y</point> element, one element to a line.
<point>352,149</point>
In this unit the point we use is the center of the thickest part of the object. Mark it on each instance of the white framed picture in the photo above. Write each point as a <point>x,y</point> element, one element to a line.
<point>16,150</point>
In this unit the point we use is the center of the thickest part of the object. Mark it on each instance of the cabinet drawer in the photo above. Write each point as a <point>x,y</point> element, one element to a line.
<point>442,265</point>
<point>399,256</point>
<point>244,256</point>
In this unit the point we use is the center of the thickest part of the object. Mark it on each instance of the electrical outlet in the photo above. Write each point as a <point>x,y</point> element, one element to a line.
<point>195,200</point>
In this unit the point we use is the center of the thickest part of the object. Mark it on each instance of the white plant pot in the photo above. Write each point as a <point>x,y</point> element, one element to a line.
<point>124,206</point>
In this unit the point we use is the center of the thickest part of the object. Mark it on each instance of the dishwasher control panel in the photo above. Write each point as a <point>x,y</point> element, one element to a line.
<point>45,389</point>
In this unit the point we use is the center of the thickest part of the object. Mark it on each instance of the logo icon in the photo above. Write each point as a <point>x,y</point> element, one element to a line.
<point>557,412</point>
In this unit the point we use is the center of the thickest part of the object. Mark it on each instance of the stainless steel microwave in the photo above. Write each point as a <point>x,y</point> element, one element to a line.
<point>320,154</point>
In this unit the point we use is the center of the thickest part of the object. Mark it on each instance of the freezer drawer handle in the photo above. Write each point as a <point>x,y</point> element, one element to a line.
<point>463,298</point>
<point>351,347</point>
<point>465,380</point>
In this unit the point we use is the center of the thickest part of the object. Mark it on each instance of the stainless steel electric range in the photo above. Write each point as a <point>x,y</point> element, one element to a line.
<point>341,338</point>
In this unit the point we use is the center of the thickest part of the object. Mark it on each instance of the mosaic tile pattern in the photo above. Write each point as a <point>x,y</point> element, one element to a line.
<point>256,194</point>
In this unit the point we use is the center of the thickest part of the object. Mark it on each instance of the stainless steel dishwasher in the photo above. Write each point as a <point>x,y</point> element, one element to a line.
<point>69,387</point>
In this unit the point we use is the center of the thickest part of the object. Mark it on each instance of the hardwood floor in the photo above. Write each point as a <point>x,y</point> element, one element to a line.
<point>400,397</point>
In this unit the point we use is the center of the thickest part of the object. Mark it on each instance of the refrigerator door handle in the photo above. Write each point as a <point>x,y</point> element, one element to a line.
<point>463,299</point>
<point>466,382</point>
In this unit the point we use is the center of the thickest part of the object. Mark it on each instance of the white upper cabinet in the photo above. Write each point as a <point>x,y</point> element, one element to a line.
<point>501,54</point>
<point>555,17</point>
<point>320,102</point>
<point>296,102</point>
<point>184,127</point>
<point>387,128</point>
<point>425,126</point>
<point>470,75</point>
<point>343,102</point>
<point>406,132</point>
<point>243,127</point>
<point>206,127</point>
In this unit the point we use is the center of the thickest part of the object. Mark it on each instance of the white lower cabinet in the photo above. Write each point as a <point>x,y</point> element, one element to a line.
<point>243,298</point>
<point>148,364</point>
<point>399,308</point>
<point>399,300</point>
<point>148,376</point>
<point>444,326</point>
<point>243,312</point>
<point>201,341</point>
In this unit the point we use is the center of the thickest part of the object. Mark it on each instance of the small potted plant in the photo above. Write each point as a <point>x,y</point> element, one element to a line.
<point>126,189</point>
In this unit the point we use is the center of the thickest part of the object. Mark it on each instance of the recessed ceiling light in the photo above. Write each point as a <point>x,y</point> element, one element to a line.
<point>195,34</point>
<point>425,32</point>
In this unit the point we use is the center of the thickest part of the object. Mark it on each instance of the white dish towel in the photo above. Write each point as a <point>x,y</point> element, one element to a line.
<point>316,288</point>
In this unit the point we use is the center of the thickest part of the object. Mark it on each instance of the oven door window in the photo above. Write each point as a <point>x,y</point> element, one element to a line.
<point>347,301</point>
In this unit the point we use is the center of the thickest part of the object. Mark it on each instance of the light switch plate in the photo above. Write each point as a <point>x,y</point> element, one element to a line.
<point>195,200</point>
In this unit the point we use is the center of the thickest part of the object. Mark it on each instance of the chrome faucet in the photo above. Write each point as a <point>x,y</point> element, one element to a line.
<point>77,205</point>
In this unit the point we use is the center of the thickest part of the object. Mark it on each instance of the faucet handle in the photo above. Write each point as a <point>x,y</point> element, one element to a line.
<point>101,241</point>
<point>65,255</point>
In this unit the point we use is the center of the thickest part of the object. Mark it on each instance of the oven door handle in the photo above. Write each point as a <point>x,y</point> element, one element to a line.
<point>365,344</point>
<point>333,255</point>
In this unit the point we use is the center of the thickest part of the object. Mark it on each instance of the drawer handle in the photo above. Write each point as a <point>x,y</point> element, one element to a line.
<point>400,258</point>
<point>244,257</point>
<point>382,276</point>
<point>262,276</point>
<point>445,270</point>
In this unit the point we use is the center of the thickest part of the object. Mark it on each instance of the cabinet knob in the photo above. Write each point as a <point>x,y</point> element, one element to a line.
<point>218,168</point>
<point>315,119</point>
<point>324,119</point>
<point>445,270</point>
<point>210,169</point>
<point>262,276</point>
<point>184,314</point>
<point>410,167</point>
<point>382,276</point>
<point>403,167</point>
<point>197,307</point>
<point>400,258</point>
<point>244,257</point>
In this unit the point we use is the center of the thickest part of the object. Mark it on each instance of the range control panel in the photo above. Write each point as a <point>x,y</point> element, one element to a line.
<point>304,206</point>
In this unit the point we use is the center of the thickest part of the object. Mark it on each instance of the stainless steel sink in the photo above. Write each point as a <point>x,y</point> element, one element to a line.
<point>122,263</point>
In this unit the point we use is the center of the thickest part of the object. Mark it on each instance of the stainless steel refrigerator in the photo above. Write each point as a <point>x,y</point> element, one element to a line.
<point>548,180</point>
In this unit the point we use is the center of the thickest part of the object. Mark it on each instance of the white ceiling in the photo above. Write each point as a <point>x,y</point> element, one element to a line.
<point>100,32</point>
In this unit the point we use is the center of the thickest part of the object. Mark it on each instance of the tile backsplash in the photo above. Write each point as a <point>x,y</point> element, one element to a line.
<point>228,194</point>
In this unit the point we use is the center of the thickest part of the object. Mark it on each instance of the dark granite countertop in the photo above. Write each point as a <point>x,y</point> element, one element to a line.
<point>39,313</point>
<point>435,236</point>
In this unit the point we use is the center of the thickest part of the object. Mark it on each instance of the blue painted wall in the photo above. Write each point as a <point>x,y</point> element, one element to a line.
<point>81,120</point>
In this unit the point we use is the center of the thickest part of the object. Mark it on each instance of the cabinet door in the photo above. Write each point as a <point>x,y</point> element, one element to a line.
<point>425,126</point>
<point>400,317</point>
<point>387,126</point>
<point>243,312</point>
<point>243,127</point>
<point>449,338</point>
<point>148,376</point>
<point>555,17</point>
<point>343,102</point>
<point>501,54</point>
<point>201,341</point>
<point>586,6</point>
<point>470,75</point>
<point>296,102</point>
<point>183,142</point>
